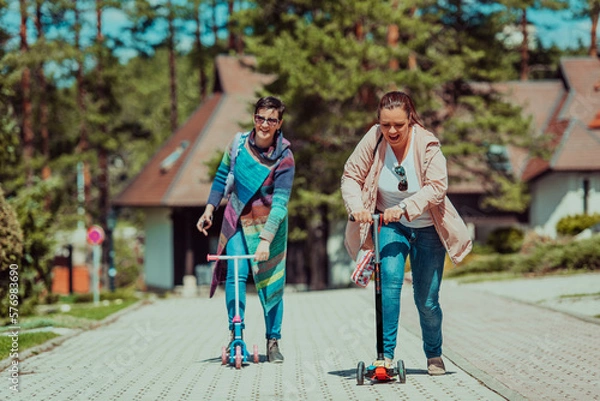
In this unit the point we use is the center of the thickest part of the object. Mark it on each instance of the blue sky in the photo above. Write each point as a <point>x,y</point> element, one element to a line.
<point>552,28</point>
<point>559,28</point>
<point>113,24</point>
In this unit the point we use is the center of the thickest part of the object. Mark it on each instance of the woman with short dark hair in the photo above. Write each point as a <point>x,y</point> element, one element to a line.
<point>255,219</point>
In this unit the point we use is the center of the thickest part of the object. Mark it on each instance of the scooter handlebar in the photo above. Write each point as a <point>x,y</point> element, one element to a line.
<point>375,216</point>
<point>227,257</point>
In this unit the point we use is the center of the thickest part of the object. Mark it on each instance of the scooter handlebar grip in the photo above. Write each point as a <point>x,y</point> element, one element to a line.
<point>212,257</point>
<point>351,217</point>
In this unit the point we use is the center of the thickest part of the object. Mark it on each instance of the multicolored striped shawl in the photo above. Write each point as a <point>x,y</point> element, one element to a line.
<point>263,184</point>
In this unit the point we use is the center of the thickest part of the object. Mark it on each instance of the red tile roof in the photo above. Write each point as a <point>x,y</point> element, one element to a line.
<point>209,129</point>
<point>539,99</point>
<point>579,150</point>
<point>573,144</point>
<point>580,75</point>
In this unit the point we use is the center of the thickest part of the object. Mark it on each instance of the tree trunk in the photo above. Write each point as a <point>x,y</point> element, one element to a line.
<point>172,72</point>
<point>104,183</point>
<point>202,76</point>
<point>27,126</point>
<point>82,146</point>
<point>393,34</point>
<point>231,45</point>
<point>43,85</point>
<point>595,11</point>
<point>524,48</point>
<point>317,250</point>
<point>215,28</point>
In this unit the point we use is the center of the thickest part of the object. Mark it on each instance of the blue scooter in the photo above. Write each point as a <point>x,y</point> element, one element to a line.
<point>238,352</point>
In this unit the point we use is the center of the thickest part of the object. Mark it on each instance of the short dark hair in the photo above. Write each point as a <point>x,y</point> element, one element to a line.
<point>394,99</point>
<point>270,102</point>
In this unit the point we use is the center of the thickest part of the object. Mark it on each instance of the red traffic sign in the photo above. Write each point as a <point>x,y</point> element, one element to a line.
<point>95,235</point>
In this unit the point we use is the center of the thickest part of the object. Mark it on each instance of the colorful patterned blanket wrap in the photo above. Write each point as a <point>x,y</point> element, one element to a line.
<point>261,192</point>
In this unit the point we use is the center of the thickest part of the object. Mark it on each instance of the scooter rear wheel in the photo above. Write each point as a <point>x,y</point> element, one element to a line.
<point>401,378</point>
<point>360,373</point>
<point>224,357</point>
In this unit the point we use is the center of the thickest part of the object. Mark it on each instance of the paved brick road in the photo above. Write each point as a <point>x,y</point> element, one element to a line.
<point>495,349</point>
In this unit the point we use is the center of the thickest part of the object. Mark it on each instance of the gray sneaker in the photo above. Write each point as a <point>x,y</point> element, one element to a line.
<point>273,354</point>
<point>435,366</point>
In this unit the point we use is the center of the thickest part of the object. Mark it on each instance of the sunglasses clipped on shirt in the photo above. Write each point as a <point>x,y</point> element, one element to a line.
<point>403,184</point>
<point>260,120</point>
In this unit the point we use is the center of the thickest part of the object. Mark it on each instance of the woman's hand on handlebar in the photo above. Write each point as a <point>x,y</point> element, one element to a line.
<point>392,214</point>
<point>363,216</point>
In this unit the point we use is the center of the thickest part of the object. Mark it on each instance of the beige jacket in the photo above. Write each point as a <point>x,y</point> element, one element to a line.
<point>359,191</point>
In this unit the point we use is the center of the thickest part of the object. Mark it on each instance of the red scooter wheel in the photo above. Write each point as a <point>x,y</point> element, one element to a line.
<point>238,357</point>
<point>255,353</point>
<point>224,357</point>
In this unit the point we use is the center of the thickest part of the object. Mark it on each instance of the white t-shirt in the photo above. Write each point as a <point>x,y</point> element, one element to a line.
<point>388,194</point>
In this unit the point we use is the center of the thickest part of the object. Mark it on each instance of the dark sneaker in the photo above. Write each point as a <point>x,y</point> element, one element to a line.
<point>273,354</point>
<point>435,366</point>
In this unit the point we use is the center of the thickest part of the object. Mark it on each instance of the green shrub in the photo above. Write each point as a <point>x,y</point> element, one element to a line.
<point>506,239</point>
<point>11,252</point>
<point>582,255</point>
<point>484,264</point>
<point>544,258</point>
<point>126,260</point>
<point>573,225</point>
<point>37,223</point>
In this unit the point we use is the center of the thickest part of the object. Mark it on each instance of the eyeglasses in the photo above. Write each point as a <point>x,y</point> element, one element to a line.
<point>387,127</point>
<point>403,184</point>
<point>260,120</point>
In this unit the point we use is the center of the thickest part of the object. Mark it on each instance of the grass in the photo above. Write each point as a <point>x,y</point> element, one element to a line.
<point>97,312</point>
<point>26,340</point>
<point>481,277</point>
<point>583,295</point>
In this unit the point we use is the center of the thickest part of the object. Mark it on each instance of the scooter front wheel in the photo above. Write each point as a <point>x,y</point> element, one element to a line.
<point>238,357</point>
<point>255,353</point>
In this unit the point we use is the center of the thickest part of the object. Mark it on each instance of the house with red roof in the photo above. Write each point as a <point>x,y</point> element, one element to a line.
<point>565,113</point>
<point>567,183</point>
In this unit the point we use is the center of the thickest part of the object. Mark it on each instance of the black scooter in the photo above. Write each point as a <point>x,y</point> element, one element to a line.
<point>378,372</point>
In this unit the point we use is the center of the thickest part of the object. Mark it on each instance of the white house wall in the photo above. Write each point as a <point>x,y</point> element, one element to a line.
<point>557,195</point>
<point>158,254</point>
<point>594,194</point>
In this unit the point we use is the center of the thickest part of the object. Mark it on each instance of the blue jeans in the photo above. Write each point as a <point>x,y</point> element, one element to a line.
<point>237,246</point>
<point>427,256</point>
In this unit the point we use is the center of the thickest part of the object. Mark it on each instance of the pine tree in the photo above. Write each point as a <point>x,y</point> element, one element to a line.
<point>520,9</point>
<point>589,9</point>
<point>333,60</point>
